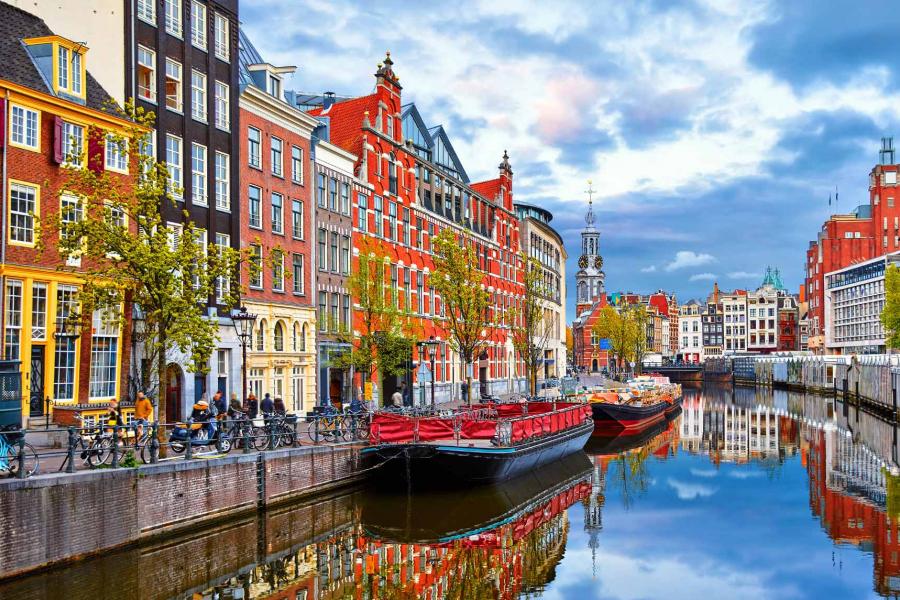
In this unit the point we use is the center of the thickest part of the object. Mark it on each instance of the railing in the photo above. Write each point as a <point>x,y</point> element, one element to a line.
<point>126,446</point>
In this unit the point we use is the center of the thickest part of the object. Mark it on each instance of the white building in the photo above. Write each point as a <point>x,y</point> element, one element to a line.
<point>690,332</point>
<point>762,316</point>
<point>734,318</point>
<point>854,298</point>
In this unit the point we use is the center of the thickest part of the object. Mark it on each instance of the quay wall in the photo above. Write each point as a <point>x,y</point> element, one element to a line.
<point>55,518</point>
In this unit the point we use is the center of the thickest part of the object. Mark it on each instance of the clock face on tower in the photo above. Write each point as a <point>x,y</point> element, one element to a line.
<point>598,263</point>
<point>583,261</point>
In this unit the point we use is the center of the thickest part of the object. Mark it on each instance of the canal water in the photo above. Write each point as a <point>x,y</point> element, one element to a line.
<point>746,494</point>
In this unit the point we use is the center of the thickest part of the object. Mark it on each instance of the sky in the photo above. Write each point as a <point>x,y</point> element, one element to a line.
<point>714,132</point>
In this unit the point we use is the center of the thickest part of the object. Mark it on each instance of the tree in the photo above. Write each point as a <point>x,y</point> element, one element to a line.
<point>458,280</point>
<point>129,253</point>
<point>612,325</point>
<point>385,339</point>
<point>532,325</point>
<point>638,319</point>
<point>890,315</point>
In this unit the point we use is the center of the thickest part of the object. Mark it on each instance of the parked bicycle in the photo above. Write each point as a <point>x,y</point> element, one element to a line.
<point>11,459</point>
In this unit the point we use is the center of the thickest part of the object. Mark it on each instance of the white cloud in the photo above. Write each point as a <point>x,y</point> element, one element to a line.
<point>745,474</point>
<point>703,277</point>
<point>744,275</point>
<point>691,491</point>
<point>687,258</point>
<point>650,269</point>
<point>704,472</point>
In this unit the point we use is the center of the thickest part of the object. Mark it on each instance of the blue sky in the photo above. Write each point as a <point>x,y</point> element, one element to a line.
<point>713,131</point>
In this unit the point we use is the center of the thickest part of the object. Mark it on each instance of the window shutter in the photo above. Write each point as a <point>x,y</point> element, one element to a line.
<point>3,117</point>
<point>96,151</point>
<point>57,140</point>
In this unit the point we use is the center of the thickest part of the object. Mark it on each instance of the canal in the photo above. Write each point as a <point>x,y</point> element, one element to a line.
<point>747,494</point>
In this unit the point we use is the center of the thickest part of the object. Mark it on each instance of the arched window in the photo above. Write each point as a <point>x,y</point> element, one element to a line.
<point>392,174</point>
<point>582,291</point>
<point>303,339</point>
<point>294,336</point>
<point>261,337</point>
<point>279,337</point>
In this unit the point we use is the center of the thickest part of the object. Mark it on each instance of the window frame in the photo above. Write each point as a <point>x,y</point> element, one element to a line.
<point>256,257</point>
<point>199,96</point>
<point>294,220</point>
<point>119,156</point>
<point>250,202</point>
<point>297,165</point>
<point>221,48</point>
<point>279,221</point>
<point>174,13</point>
<point>254,148</point>
<point>29,216</point>
<point>199,193</point>
<point>179,95</point>
<point>153,72</point>
<point>222,105</point>
<point>37,127</point>
<point>146,11</point>
<point>177,191</point>
<point>276,157</point>
<point>199,41</point>
<point>223,182</point>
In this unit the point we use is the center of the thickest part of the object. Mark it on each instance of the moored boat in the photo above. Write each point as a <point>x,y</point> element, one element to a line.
<point>647,400</point>
<point>484,444</point>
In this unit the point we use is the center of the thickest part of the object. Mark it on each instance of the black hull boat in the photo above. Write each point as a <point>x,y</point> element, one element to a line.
<point>611,418</point>
<point>511,446</point>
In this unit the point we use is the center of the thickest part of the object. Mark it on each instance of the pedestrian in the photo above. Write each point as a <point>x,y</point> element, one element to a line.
<point>280,408</point>
<point>234,407</point>
<point>404,395</point>
<point>143,413</point>
<point>253,406</point>
<point>114,416</point>
<point>397,399</point>
<point>202,414</point>
<point>267,407</point>
<point>219,401</point>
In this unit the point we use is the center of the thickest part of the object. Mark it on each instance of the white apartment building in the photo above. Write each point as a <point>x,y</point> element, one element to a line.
<point>734,318</point>
<point>854,298</point>
<point>690,332</point>
<point>762,318</point>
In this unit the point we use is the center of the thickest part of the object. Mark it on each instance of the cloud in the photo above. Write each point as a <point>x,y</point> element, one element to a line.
<point>650,269</point>
<point>686,258</point>
<point>704,472</point>
<point>745,474</point>
<point>744,275</point>
<point>703,277</point>
<point>691,491</point>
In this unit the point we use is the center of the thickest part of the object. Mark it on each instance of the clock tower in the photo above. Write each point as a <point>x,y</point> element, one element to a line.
<point>589,277</point>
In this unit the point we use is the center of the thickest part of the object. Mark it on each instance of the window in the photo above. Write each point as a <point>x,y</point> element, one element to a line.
<point>254,141</point>
<point>116,158</point>
<point>146,74</point>
<point>297,388</point>
<point>198,96</point>
<point>321,249</point>
<point>303,339</point>
<point>256,278</point>
<point>379,218</point>
<point>64,359</point>
<point>333,258</point>
<point>297,164</point>
<point>73,144</point>
<point>323,311</point>
<point>223,182</point>
<point>345,309</point>
<point>173,162</point>
<point>345,198</point>
<point>24,127</point>
<point>261,337</point>
<point>173,85</point>
<point>392,220</point>
<point>71,212</point>
<point>22,210</point>
<point>223,106</point>
<point>297,219</point>
<point>273,86</point>
<point>332,195</point>
<point>198,25</point>
<point>104,352</point>
<point>345,254</point>
<point>277,213</point>
<point>298,274</point>
<point>198,174</point>
<point>254,382</point>
<point>320,191</point>
<point>173,17</point>
<point>38,312</point>
<point>277,156</point>
<point>255,206</point>
<point>62,69</point>
<point>146,11</point>
<point>223,284</point>
<point>220,35</point>
<point>334,317</point>
<point>13,339</point>
<point>279,337</point>
<point>363,215</point>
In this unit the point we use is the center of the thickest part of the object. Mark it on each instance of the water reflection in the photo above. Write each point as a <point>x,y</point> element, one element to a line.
<point>748,493</point>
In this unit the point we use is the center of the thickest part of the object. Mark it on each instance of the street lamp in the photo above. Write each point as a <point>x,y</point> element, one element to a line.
<point>428,346</point>
<point>138,331</point>
<point>243,326</point>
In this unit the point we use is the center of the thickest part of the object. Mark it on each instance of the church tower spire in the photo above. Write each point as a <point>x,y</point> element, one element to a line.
<point>590,276</point>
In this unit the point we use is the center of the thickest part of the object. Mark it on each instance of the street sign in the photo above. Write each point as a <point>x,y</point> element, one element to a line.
<point>423,374</point>
<point>367,390</point>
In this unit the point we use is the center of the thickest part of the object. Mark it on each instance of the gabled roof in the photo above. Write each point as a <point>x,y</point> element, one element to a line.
<point>489,189</point>
<point>434,137</point>
<point>439,135</point>
<point>346,121</point>
<point>247,55</point>
<point>17,65</point>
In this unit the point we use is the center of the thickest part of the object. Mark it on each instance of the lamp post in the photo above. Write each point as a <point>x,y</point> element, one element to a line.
<point>243,326</point>
<point>432,350</point>
<point>68,329</point>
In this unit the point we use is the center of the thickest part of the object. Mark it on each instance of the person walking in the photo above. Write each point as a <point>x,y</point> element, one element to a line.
<point>267,407</point>
<point>252,406</point>
<point>397,399</point>
<point>279,407</point>
<point>143,414</point>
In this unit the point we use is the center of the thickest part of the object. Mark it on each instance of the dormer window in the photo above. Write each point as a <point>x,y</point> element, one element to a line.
<point>273,87</point>
<point>61,61</point>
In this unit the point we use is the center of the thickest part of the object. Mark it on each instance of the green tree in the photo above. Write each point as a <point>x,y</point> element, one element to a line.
<point>130,253</point>
<point>383,344</point>
<point>458,280</point>
<point>890,315</point>
<point>532,323</point>
<point>612,324</point>
<point>638,320</point>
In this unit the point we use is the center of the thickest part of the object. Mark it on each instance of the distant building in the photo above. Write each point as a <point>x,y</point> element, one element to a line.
<point>734,314</point>
<point>591,353</point>
<point>690,341</point>
<point>713,328</point>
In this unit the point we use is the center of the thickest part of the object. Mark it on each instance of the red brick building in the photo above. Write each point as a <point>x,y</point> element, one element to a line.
<point>277,225</point>
<point>414,187</point>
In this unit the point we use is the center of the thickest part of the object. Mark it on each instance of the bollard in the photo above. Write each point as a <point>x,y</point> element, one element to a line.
<point>189,446</point>
<point>245,431</point>
<point>70,454</point>
<point>21,458</point>
<point>154,444</point>
<point>115,447</point>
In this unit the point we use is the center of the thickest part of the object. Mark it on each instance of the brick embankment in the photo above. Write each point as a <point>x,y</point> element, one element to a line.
<point>55,518</point>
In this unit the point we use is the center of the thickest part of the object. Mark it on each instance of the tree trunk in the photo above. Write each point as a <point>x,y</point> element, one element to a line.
<point>161,396</point>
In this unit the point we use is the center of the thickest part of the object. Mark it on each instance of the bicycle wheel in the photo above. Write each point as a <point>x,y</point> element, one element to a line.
<point>8,456</point>
<point>31,462</point>
<point>99,452</point>
<point>362,429</point>
<point>286,435</point>
<point>259,438</point>
<point>324,430</point>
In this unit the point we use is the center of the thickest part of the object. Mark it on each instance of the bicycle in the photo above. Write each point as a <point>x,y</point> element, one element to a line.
<point>10,454</point>
<point>360,424</point>
<point>330,427</point>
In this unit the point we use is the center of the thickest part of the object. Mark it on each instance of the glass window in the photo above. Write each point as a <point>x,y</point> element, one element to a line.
<point>323,311</point>
<point>173,17</point>
<point>297,219</point>
<point>345,198</point>
<point>345,254</point>
<point>297,164</point>
<point>71,212</point>
<point>221,35</point>
<point>73,144</point>
<point>298,274</point>
<point>254,148</point>
<point>279,337</point>
<point>22,208</point>
<point>38,312</point>
<point>363,215</point>
<point>198,96</point>
<point>198,25</point>
<point>321,242</point>
<point>223,106</point>
<point>256,278</point>
<point>24,127</point>
<point>333,258</point>
<point>277,213</point>
<point>334,317</point>
<point>173,162</point>
<point>345,317</point>
<point>64,359</point>
<point>332,195</point>
<point>255,206</point>
<point>223,182</point>
<point>146,74</point>
<point>173,85</point>
<point>277,156</point>
<point>278,271</point>
<point>146,11</point>
<point>62,68</point>
<point>223,284</point>
<point>320,190</point>
<point>13,325</point>
<point>116,158</point>
<point>104,351</point>
<point>198,174</point>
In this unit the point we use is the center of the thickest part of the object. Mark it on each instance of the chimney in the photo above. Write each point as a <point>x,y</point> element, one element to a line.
<point>327,100</point>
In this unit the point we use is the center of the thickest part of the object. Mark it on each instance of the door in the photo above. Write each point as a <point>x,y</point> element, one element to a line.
<point>37,381</point>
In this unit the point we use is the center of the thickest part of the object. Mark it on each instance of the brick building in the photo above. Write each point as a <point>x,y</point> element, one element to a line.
<point>53,115</point>
<point>275,143</point>
<point>413,186</point>
<point>591,352</point>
